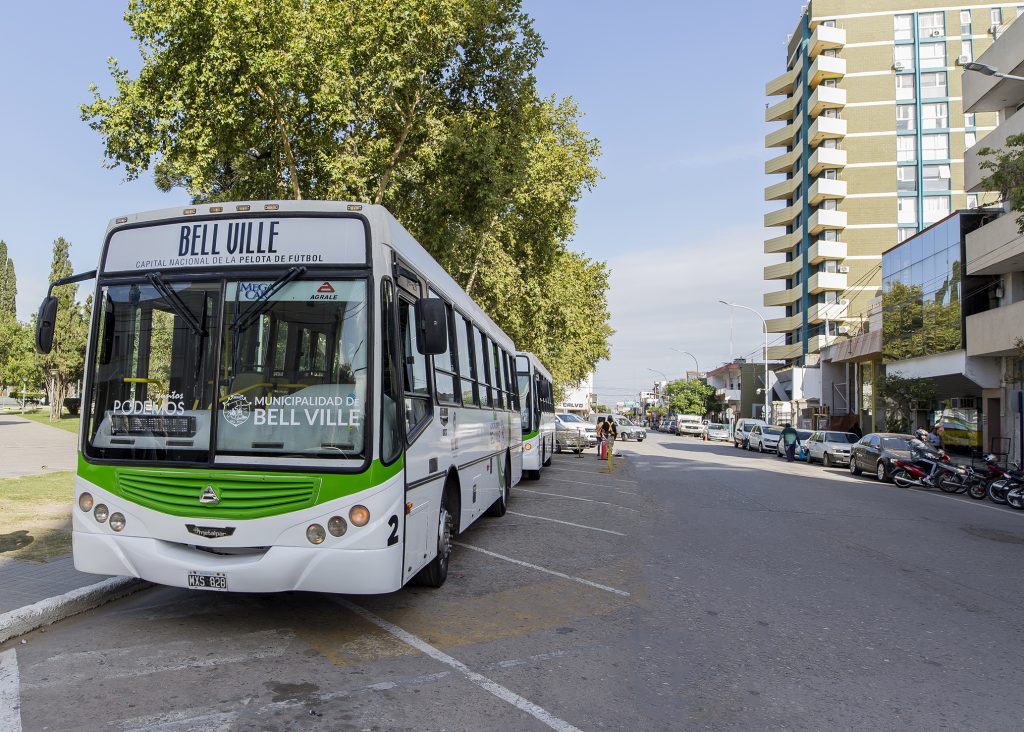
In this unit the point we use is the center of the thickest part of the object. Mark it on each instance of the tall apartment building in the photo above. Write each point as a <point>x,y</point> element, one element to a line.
<point>871,148</point>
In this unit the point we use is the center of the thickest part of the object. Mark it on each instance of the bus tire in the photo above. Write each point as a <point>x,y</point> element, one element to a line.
<point>498,508</point>
<point>531,474</point>
<point>436,572</point>
<point>547,461</point>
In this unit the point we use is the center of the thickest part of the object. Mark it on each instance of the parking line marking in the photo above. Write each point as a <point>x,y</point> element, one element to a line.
<point>577,498</point>
<point>521,563</point>
<point>588,472</point>
<point>480,680</point>
<point>10,691</point>
<point>567,523</point>
<point>599,485</point>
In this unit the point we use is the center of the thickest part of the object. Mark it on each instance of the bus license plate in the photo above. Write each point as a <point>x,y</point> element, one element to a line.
<point>208,581</point>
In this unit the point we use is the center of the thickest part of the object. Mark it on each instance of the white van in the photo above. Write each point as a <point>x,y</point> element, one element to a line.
<point>741,430</point>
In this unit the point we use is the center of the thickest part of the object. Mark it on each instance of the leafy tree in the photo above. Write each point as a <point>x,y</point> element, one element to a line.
<point>427,106</point>
<point>8,283</point>
<point>1006,173</point>
<point>601,409</point>
<point>690,396</point>
<point>19,363</point>
<point>63,366</point>
<point>902,395</point>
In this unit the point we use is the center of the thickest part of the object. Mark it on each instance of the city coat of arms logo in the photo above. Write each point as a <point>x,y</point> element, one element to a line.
<point>236,410</point>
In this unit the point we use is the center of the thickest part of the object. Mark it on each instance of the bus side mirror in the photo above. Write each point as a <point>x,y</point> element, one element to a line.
<point>431,326</point>
<point>44,325</point>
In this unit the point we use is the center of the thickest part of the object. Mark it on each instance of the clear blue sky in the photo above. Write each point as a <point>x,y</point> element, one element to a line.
<point>674,91</point>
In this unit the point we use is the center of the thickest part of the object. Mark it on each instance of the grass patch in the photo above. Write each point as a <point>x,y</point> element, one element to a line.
<point>35,516</point>
<point>65,423</point>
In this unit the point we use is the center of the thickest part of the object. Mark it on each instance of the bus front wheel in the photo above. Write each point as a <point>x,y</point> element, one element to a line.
<point>436,572</point>
<point>498,508</point>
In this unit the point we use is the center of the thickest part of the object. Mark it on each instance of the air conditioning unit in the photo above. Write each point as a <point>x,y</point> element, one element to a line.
<point>936,33</point>
<point>844,330</point>
<point>843,269</point>
<point>994,29</point>
<point>843,303</point>
<point>961,60</point>
<point>898,65</point>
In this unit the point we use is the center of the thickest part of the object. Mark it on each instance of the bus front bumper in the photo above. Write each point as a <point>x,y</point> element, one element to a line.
<point>278,569</point>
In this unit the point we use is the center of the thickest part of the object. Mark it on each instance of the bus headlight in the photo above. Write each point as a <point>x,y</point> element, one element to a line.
<point>359,515</point>
<point>117,521</point>
<point>101,512</point>
<point>85,502</point>
<point>528,446</point>
<point>315,534</point>
<point>337,526</point>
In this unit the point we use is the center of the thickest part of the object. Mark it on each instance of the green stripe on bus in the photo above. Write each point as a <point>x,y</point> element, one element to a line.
<point>530,435</point>
<point>244,494</point>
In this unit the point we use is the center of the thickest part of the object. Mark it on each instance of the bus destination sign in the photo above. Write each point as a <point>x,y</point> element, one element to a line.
<point>238,242</point>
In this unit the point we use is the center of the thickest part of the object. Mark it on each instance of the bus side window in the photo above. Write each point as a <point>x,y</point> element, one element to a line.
<point>446,382</point>
<point>390,431</point>
<point>499,397</point>
<point>510,381</point>
<point>465,344</point>
<point>414,364</point>
<point>483,377</point>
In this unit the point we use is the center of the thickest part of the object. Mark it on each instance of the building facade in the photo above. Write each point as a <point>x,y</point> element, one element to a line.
<point>580,399</point>
<point>870,151</point>
<point>994,253</point>
<point>739,388</point>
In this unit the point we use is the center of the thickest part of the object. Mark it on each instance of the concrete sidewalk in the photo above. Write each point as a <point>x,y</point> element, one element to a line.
<point>28,448</point>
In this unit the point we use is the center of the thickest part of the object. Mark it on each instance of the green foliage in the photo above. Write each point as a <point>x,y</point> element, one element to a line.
<point>1006,173</point>
<point>8,283</point>
<point>63,366</point>
<point>690,396</point>
<point>902,395</point>
<point>429,107</point>
<point>913,325</point>
<point>19,363</point>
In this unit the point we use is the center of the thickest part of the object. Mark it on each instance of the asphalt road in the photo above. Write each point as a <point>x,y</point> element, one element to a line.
<point>696,587</point>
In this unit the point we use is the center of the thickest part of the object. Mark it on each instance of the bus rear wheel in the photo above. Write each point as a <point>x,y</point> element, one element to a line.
<point>436,572</point>
<point>498,508</point>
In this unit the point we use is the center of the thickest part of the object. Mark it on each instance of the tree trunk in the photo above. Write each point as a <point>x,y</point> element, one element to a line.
<point>410,118</point>
<point>282,129</point>
<point>56,390</point>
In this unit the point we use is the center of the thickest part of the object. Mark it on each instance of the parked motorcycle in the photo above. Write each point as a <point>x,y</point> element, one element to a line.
<point>1011,488</point>
<point>906,474</point>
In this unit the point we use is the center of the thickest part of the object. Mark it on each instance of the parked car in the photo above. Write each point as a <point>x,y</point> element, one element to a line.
<point>670,426</point>
<point>764,438</point>
<point>830,448</point>
<point>717,431</point>
<point>567,426</point>
<point>628,430</point>
<point>874,453</point>
<point>802,436</point>
<point>741,431</point>
<point>689,424</point>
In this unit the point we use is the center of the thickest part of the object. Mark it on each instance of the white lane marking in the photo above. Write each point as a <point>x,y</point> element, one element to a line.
<point>969,502</point>
<point>521,563</point>
<point>577,498</point>
<point>480,680</point>
<point>596,485</point>
<point>589,472</point>
<point>10,692</point>
<point>567,523</point>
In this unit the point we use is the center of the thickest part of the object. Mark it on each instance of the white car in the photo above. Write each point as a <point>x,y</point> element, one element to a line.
<point>802,437</point>
<point>741,430</point>
<point>831,448</point>
<point>717,431</point>
<point>764,438</point>
<point>565,424</point>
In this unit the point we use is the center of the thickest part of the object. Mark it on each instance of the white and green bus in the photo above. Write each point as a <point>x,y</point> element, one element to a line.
<point>537,413</point>
<point>287,395</point>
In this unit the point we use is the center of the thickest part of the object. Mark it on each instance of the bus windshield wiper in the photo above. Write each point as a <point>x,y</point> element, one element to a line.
<point>245,318</point>
<point>177,304</point>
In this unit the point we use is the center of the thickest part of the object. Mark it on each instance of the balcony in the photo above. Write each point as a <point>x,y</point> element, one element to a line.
<point>784,216</point>
<point>824,188</point>
<point>821,312</point>
<point>782,297</point>
<point>782,163</point>
<point>782,270</point>
<point>827,157</point>
<point>728,395</point>
<point>824,219</point>
<point>825,38</point>
<point>782,244</point>
<point>819,342</point>
<point>784,136</point>
<point>823,281</point>
<point>786,109</point>
<point>784,325</point>
<point>996,248</point>
<point>826,97</point>
<point>827,128</point>
<point>785,353</point>
<point>994,332</point>
<point>826,67</point>
<point>783,84</point>
<point>822,250</point>
<point>782,190</point>
<point>996,139</point>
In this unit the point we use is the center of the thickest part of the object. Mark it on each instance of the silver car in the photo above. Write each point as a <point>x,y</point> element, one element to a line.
<point>830,448</point>
<point>573,433</point>
<point>717,431</point>
<point>628,430</point>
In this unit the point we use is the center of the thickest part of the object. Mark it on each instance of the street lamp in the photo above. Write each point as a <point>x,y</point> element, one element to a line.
<point>765,324</point>
<point>989,71</point>
<point>687,353</point>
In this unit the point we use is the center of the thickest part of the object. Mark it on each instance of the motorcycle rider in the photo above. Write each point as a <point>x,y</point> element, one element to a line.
<point>924,452</point>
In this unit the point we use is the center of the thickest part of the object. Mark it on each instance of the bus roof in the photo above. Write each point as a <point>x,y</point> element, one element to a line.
<point>536,364</point>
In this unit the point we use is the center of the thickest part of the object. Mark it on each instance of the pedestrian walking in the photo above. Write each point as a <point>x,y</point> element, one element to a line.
<point>600,438</point>
<point>610,433</point>
<point>789,439</point>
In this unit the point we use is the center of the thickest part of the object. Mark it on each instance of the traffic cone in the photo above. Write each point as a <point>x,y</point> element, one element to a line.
<point>705,436</point>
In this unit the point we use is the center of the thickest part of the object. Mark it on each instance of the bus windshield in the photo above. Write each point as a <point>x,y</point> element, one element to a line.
<point>291,380</point>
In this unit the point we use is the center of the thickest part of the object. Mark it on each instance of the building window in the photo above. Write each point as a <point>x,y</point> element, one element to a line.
<point>965,22</point>
<point>933,55</point>
<point>937,178</point>
<point>829,23</point>
<point>931,25</point>
<point>903,27</point>
<point>904,234</point>
<point>829,235</point>
<point>904,87</point>
<point>996,17</point>
<point>903,58</point>
<point>829,204</point>
<point>906,178</point>
<point>970,139</point>
<point>830,174</point>
<point>935,147</point>
<point>935,116</point>
<point>831,143</point>
<point>972,200</point>
<point>970,120</point>
<point>906,117</point>
<point>935,208</point>
<point>966,51</point>
<point>906,149</point>
<point>933,85</point>
<point>906,210</point>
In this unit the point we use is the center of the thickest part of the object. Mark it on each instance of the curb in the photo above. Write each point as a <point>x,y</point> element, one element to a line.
<point>52,609</point>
